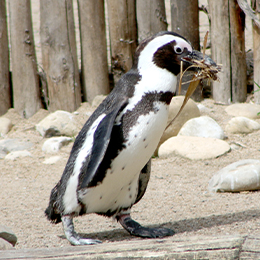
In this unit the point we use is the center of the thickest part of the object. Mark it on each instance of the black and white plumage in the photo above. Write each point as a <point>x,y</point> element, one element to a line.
<point>109,166</point>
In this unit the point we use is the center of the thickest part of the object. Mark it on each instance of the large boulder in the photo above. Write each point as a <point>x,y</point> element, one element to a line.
<point>194,148</point>
<point>189,111</point>
<point>203,126</point>
<point>243,175</point>
<point>58,123</point>
<point>242,125</point>
<point>244,109</point>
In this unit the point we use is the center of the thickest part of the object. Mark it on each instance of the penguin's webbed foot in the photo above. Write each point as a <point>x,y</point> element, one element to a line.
<point>73,237</point>
<point>134,228</point>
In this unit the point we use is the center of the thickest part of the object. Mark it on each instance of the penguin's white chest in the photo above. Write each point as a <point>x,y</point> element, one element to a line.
<point>120,186</point>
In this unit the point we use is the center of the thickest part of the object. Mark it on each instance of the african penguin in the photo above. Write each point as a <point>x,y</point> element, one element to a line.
<point>109,165</point>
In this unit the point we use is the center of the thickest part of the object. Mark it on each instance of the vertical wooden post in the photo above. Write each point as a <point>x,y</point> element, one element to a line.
<point>93,48</point>
<point>151,18</point>
<point>185,20</point>
<point>228,49</point>
<point>59,54</point>
<point>122,28</point>
<point>5,92</point>
<point>256,47</point>
<point>237,52</point>
<point>26,93</point>
<point>220,48</point>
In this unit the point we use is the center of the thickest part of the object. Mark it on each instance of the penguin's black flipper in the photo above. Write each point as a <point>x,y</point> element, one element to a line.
<point>143,180</point>
<point>100,143</point>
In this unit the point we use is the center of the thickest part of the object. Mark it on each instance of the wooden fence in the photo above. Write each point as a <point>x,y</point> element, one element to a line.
<point>59,83</point>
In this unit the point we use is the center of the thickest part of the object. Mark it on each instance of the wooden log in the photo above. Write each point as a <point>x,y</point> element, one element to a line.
<point>197,247</point>
<point>220,49</point>
<point>256,49</point>
<point>185,20</point>
<point>122,29</point>
<point>151,18</point>
<point>228,49</point>
<point>59,55</point>
<point>237,52</point>
<point>5,91</point>
<point>93,49</point>
<point>26,92</point>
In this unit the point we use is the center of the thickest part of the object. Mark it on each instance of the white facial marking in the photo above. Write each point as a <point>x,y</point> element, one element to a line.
<point>70,199</point>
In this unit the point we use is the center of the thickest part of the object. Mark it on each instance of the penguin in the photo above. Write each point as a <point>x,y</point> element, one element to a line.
<point>109,166</point>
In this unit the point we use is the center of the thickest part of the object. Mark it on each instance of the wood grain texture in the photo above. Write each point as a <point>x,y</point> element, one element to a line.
<point>5,92</point>
<point>26,92</point>
<point>198,247</point>
<point>151,18</point>
<point>59,55</point>
<point>93,49</point>
<point>122,29</point>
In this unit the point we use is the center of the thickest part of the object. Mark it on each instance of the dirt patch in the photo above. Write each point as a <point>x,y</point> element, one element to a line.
<point>177,194</point>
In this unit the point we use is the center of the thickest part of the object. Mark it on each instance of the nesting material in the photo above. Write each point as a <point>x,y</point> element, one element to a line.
<point>207,69</point>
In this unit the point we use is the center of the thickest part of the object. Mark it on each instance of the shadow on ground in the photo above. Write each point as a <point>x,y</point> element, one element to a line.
<point>182,226</point>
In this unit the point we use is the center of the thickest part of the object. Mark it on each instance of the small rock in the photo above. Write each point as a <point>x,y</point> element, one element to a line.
<point>243,175</point>
<point>203,109</point>
<point>4,245</point>
<point>244,109</point>
<point>10,145</point>
<point>203,126</point>
<point>52,160</point>
<point>8,235</point>
<point>194,148</point>
<point>189,111</point>
<point>98,100</point>
<point>241,125</point>
<point>17,154</point>
<point>2,154</point>
<point>58,123</point>
<point>5,125</point>
<point>54,144</point>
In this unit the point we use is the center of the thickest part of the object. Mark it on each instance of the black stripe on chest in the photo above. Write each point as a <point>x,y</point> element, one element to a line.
<point>119,135</point>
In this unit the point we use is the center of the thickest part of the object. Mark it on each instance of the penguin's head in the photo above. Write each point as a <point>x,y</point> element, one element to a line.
<point>166,50</point>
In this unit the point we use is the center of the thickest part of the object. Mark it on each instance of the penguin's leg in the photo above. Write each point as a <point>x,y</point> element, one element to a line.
<point>132,226</point>
<point>73,237</point>
<point>135,229</point>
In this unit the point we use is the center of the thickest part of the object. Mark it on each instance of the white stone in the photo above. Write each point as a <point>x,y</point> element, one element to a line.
<point>52,160</point>
<point>5,125</point>
<point>189,111</point>
<point>17,154</point>
<point>7,234</point>
<point>243,175</point>
<point>194,148</point>
<point>53,144</point>
<point>4,245</point>
<point>10,145</point>
<point>98,100</point>
<point>58,123</point>
<point>242,125</point>
<point>203,126</point>
<point>244,109</point>
<point>203,109</point>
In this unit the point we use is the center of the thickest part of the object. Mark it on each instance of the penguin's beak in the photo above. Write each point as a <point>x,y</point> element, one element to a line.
<point>195,57</point>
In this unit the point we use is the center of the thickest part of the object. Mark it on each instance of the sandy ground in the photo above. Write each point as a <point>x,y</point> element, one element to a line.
<point>177,195</point>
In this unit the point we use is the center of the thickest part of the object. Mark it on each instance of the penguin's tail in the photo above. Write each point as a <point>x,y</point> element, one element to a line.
<point>52,212</point>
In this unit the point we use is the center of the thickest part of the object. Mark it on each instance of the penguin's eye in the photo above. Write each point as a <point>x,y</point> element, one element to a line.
<point>178,49</point>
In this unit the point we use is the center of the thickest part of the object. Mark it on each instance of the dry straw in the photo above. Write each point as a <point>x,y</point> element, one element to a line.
<point>206,71</point>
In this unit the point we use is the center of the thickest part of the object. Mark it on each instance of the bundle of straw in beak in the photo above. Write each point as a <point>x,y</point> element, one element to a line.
<point>205,69</point>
